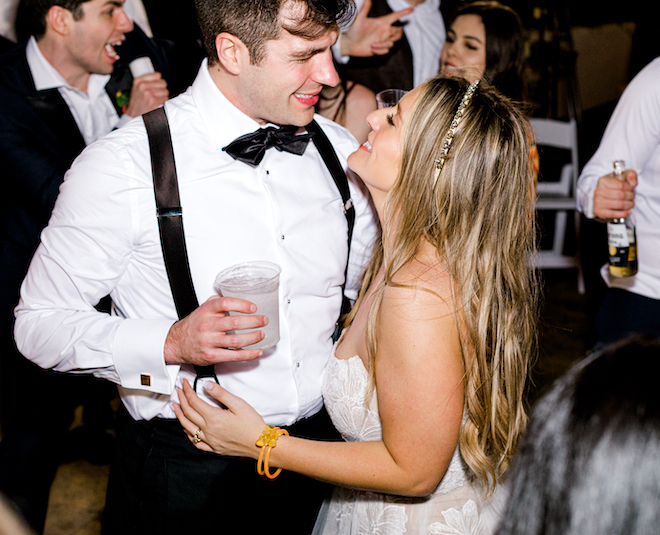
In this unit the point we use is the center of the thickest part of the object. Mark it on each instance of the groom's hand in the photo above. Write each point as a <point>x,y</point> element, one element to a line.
<point>206,336</point>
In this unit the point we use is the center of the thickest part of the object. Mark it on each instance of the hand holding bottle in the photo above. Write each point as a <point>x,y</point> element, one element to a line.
<point>614,197</point>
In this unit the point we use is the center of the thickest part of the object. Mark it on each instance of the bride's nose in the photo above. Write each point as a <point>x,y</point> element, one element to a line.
<point>374,119</point>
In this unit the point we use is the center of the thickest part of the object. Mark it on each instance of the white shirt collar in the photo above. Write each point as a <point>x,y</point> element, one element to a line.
<point>46,76</point>
<point>224,122</point>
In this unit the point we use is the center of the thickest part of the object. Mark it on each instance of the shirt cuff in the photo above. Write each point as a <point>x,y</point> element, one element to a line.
<point>139,356</point>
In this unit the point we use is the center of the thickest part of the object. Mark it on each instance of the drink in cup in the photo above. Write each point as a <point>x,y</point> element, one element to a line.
<point>257,282</point>
<point>389,98</point>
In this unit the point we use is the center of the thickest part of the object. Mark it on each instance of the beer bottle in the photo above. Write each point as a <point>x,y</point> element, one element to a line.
<point>621,238</point>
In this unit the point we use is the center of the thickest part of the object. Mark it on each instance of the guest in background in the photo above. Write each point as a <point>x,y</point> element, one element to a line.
<point>412,33</point>
<point>590,461</point>
<point>60,91</point>
<point>485,41</point>
<point>631,304</point>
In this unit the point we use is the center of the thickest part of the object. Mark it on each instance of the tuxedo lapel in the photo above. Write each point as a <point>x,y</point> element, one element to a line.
<point>119,87</point>
<point>55,114</point>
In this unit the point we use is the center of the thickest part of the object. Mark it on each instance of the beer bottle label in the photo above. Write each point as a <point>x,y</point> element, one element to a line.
<point>617,235</point>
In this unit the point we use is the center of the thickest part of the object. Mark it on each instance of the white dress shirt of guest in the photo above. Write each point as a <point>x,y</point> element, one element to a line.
<point>103,238</point>
<point>632,135</point>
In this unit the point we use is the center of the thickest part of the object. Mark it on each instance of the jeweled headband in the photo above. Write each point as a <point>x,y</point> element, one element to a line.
<point>449,138</point>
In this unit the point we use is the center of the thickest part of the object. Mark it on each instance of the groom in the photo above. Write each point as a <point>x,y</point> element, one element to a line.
<point>267,62</point>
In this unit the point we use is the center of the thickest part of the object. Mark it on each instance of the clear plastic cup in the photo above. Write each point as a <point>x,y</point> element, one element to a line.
<point>389,98</point>
<point>257,282</point>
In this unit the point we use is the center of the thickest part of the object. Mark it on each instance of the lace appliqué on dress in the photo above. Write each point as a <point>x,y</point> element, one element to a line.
<point>463,522</point>
<point>344,391</point>
<point>355,512</point>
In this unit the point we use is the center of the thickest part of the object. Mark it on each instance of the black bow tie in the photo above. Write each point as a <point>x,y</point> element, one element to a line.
<point>251,148</point>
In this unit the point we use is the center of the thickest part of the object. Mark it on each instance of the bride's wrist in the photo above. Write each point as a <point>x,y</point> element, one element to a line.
<point>267,442</point>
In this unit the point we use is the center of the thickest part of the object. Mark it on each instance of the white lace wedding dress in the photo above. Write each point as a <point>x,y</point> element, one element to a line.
<point>454,508</point>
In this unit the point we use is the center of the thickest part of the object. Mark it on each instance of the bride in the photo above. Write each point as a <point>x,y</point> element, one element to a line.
<point>426,383</point>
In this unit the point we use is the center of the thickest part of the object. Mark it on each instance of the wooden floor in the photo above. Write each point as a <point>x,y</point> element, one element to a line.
<point>76,499</point>
<point>78,492</point>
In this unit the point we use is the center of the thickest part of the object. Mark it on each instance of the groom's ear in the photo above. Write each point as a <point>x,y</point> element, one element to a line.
<point>233,55</point>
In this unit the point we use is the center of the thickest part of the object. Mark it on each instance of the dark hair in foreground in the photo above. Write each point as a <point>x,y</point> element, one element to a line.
<point>256,21</point>
<point>31,16</point>
<point>505,56</point>
<point>590,462</point>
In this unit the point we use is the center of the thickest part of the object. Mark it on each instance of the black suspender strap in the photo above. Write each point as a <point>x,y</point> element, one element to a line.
<point>170,220</point>
<point>339,176</point>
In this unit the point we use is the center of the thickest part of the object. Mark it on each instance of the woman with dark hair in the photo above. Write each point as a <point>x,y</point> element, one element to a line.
<point>485,40</point>
<point>590,461</point>
<point>426,382</point>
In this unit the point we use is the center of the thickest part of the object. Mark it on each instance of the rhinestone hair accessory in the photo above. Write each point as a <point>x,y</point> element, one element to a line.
<point>449,138</point>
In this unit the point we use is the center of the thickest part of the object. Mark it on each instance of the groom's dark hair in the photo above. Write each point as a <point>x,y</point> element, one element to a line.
<point>256,21</point>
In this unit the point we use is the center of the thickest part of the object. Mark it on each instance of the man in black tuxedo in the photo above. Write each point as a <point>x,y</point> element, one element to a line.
<point>59,91</point>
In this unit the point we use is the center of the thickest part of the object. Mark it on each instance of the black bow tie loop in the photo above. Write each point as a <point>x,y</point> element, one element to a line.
<point>251,148</point>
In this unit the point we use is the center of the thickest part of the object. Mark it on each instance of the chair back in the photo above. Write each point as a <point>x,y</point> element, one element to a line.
<point>561,135</point>
<point>558,196</point>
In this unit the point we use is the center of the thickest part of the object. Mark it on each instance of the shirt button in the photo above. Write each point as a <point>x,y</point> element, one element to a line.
<point>282,236</point>
<point>297,364</point>
<point>288,301</point>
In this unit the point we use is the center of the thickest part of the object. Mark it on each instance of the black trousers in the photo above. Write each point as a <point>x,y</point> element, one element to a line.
<point>161,484</point>
<point>623,313</point>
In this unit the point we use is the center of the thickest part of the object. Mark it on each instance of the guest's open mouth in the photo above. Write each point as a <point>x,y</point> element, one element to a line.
<point>110,50</point>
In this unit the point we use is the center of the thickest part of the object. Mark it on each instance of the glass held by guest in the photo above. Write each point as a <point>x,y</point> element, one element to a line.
<point>426,383</point>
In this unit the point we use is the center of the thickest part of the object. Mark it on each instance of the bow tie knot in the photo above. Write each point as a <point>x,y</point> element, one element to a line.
<point>251,148</point>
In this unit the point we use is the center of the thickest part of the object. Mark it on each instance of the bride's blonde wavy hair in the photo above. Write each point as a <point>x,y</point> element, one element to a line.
<point>479,215</point>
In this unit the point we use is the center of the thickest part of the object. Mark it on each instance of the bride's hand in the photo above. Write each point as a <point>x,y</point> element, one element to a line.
<point>232,431</point>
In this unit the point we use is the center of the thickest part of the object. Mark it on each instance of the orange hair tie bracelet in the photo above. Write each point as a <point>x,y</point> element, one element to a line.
<point>267,441</point>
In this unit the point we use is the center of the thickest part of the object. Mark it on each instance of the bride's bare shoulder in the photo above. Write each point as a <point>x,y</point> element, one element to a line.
<point>421,282</point>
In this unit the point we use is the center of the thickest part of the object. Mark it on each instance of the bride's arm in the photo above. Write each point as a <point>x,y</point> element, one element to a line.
<point>420,398</point>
